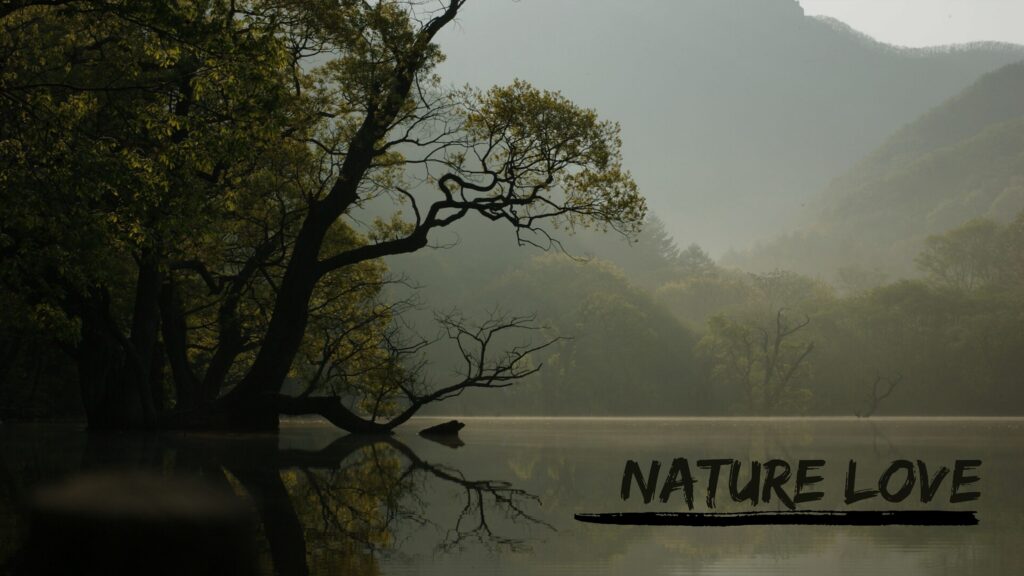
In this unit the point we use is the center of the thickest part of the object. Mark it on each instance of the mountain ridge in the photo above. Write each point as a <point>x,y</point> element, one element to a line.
<point>961,160</point>
<point>734,113</point>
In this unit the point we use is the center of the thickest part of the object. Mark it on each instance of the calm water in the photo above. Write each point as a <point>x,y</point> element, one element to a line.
<point>504,502</point>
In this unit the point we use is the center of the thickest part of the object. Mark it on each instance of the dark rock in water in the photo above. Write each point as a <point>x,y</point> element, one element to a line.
<point>446,433</point>
<point>449,428</point>
<point>138,523</point>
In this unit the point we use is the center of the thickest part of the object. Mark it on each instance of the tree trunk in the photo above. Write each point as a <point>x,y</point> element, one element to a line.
<point>248,403</point>
<point>188,394</point>
<point>111,402</point>
<point>252,402</point>
<point>115,372</point>
<point>144,333</point>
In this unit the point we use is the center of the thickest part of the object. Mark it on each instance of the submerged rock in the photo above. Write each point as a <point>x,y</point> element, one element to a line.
<point>446,433</point>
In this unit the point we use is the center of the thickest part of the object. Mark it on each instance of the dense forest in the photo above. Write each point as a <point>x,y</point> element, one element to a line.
<point>219,213</point>
<point>668,331</point>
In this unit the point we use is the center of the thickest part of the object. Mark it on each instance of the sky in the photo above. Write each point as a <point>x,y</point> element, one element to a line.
<point>920,23</point>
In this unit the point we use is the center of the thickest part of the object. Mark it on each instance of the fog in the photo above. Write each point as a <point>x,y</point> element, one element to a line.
<point>800,176</point>
<point>735,114</point>
<point>320,287</point>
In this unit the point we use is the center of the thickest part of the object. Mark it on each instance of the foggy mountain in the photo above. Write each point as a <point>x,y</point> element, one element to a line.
<point>962,160</point>
<point>734,112</point>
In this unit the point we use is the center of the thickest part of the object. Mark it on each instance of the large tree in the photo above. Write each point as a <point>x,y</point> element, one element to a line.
<point>229,177</point>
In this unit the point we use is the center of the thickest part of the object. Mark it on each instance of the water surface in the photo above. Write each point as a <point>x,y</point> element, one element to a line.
<point>504,501</point>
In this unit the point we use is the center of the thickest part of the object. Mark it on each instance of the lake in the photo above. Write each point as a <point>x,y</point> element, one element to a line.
<point>504,502</point>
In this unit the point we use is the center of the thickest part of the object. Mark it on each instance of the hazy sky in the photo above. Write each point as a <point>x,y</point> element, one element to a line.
<point>734,113</point>
<point>928,22</point>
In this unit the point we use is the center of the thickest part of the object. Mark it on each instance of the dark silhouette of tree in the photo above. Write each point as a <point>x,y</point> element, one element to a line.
<point>401,395</point>
<point>216,164</point>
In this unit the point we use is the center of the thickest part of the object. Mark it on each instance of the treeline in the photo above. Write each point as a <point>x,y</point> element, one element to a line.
<point>201,203</point>
<point>666,331</point>
<point>658,330</point>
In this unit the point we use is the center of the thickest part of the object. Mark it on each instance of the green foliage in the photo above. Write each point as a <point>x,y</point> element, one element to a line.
<point>695,300</point>
<point>963,160</point>
<point>192,188</point>
<point>624,353</point>
<point>968,257</point>
<point>759,356</point>
<point>122,136</point>
<point>694,262</point>
<point>533,141</point>
<point>653,258</point>
<point>132,132</point>
<point>758,369</point>
<point>183,184</point>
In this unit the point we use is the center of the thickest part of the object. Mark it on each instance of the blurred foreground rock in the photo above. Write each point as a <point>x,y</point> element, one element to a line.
<point>138,523</point>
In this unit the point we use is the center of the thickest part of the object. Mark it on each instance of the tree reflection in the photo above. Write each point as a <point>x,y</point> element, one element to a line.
<point>349,499</point>
<point>332,510</point>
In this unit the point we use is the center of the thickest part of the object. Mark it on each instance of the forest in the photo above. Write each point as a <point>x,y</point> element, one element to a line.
<point>219,213</point>
<point>667,331</point>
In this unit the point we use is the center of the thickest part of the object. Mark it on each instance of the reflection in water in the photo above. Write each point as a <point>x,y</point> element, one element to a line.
<point>346,503</point>
<point>338,507</point>
<point>401,504</point>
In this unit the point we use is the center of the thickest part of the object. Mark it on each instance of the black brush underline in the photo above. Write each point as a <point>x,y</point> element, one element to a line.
<point>794,518</point>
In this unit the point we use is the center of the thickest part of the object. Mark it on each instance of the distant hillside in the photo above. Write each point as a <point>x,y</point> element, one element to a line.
<point>962,160</point>
<point>734,112</point>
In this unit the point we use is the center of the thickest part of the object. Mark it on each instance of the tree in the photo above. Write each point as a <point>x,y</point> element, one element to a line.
<point>965,258</point>
<point>695,262</point>
<point>217,160</point>
<point>653,259</point>
<point>763,364</point>
<point>128,129</point>
<point>695,300</point>
<point>622,353</point>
